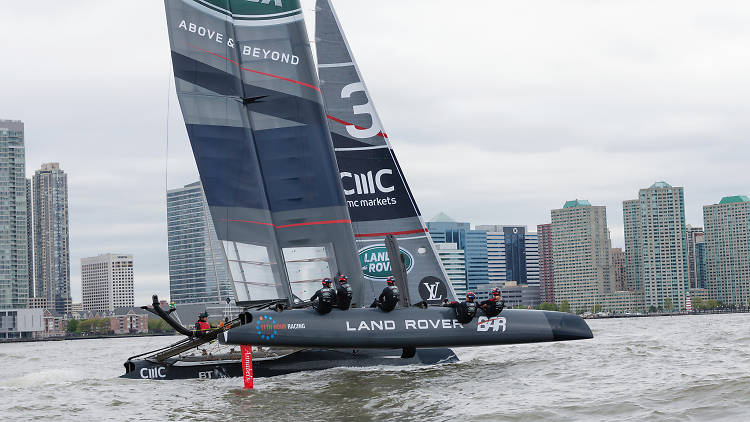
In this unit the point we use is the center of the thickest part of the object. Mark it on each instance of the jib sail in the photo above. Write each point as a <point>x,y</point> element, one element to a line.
<point>252,105</point>
<point>377,194</point>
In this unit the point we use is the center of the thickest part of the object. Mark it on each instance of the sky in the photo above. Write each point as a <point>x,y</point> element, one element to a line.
<point>499,110</point>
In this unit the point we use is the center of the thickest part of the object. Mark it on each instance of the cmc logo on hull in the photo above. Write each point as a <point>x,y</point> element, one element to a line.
<point>366,183</point>
<point>375,262</point>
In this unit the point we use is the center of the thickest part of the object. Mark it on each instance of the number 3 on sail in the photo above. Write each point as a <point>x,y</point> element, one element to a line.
<point>368,108</point>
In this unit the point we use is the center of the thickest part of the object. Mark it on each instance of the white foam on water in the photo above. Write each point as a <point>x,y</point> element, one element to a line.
<point>44,377</point>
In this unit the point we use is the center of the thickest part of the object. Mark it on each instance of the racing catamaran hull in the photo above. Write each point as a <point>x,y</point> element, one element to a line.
<point>406,328</point>
<point>297,361</point>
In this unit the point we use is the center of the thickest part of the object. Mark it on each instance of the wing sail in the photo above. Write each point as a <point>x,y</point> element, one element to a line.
<point>252,105</point>
<point>377,194</point>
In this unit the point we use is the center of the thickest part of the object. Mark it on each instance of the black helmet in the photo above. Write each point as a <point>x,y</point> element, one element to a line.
<point>326,282</point>
<point>495,291</point>
<point>470,295</point>
<point>342,279</point>
<point>390,280</point>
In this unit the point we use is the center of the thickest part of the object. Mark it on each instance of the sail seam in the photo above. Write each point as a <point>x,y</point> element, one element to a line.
<point>284,226</point>
<point>387,233</point>
<point>345,123</point>
<point>258,71</point>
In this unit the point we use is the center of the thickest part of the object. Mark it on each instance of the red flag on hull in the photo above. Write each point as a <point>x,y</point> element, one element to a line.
<point>247,365</point>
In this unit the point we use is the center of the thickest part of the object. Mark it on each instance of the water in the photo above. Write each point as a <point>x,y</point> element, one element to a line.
<point>691,368</point>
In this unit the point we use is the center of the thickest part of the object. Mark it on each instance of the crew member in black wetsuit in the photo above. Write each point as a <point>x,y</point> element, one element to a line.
<point>326,298</point>
<point>494,305</point>
<point>388,299</point>
<point>465,311</point>
<point>343,293</point>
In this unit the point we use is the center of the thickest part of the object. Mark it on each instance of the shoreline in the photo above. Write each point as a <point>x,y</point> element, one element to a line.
<point>661,314</point>
<point>63,338</point>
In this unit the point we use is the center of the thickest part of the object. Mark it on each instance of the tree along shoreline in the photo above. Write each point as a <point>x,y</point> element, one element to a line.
<point>84,337</point>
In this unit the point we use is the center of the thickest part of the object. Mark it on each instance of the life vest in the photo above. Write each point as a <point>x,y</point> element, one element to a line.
<point>471,309</point>
<point>326,295</point>
<point>203,325</point>
<point>396,293</point>
<point>348,289</point>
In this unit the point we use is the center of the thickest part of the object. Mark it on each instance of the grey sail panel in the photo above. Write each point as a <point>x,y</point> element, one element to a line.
<point>378,196</point>
<point>250,98</point>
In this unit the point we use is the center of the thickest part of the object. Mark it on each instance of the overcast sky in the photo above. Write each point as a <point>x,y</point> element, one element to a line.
<point>498,110</point>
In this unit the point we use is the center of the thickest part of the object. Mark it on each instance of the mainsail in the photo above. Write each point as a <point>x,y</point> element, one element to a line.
<point>377,194</point>
<point>251,101</point>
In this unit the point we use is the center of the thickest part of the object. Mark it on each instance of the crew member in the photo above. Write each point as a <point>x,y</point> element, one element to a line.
<point>201,325</point>
<point>326,297</point>
<point>343,293</point>
<point>388,299</point>
<point>465,311</point>
<point>494,305</point>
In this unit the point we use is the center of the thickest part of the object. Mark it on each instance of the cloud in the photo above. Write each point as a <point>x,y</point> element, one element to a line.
<point>499,111</point>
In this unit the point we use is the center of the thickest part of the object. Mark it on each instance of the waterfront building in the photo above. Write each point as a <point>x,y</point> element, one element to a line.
<point>546,267</point>
<point>618,269</point>
<point>51,237</point>
<point>454,262</point>
<point>76,307</point>
<point>107,282</point>
<point>581,254</point>
<point>198,270</point>
<point>655,251</point>
<point>14,267</point>
<point>727,241</point>
<point>444,229</point>
<point>129,320</point>
<point>695,252</point>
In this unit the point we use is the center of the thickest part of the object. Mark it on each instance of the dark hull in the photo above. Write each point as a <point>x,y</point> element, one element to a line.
<point>403,328</point>
<point>303,360</point>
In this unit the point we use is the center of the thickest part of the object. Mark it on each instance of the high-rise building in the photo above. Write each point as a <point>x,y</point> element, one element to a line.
<point>618,269</point>
<point>727,240</point>
<point>655,255</point>
<point>107,282</point>
<point>454,262</point>
<point>198,270</point>
<point>512,256</point>
<point>51,238</point>
<point>546,268</point>
<point>581,254</point>
<point>14,268</point>
<point>444,229</point>
<point>694,239</point>
<point>30,237</point>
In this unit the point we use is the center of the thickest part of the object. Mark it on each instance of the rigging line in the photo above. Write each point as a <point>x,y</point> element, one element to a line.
<point>166,157</point>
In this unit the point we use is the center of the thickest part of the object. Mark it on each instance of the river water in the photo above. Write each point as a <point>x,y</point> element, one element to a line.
<point>690,368</point>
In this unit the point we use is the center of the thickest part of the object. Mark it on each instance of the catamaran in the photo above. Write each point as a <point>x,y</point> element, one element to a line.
<point>302,184</point>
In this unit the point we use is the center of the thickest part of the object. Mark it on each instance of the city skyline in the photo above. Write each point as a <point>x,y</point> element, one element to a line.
<point>596,128</point>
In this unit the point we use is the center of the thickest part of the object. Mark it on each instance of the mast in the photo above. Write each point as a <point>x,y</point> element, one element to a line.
<point>378,196</point>
<point>252,105</point>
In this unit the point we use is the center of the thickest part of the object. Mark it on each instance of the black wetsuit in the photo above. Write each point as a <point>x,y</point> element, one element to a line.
<point>465,311</point>
<point>344,296</point>
<point>388,298</point>
<point>492,307</point>
<point>326,297</point>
